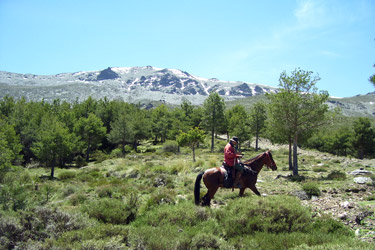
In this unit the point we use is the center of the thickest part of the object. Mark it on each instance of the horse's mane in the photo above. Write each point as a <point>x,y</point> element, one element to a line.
<point>248,164</point>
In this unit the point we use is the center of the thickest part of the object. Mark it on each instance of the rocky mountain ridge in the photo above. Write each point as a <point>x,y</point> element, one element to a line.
<point>149,84</point>
<point>133,84</point>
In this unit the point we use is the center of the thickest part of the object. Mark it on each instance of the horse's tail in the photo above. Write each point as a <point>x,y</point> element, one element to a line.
<point>197,187</point>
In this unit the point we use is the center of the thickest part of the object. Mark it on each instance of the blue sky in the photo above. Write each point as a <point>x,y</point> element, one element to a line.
<point>251,41</point>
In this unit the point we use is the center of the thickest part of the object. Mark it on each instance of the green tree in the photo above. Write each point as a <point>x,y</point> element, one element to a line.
<point>258,117</point>
<point>192,138</point>
<point>54,145</point>
<point>213,115</point>
<point>161,122</point>
<point>121,131</point>
<point>141,126</point>
<point>238,123</point>
<point>9,148</point>
<point>363,136</point>
<point>91,130</point>
<point>298,108</point>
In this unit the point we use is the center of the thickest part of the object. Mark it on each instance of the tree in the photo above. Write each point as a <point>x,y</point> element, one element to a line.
<point>238,123</point>
<point>141,126</point>
<point>161,122</point>
<point>121,131</point>
<point>298,108</point>
<point>54,143</point>
<point>192,138</point>
<point>363,136</point>
<point>258,117</point>
<point>91,130</point>
<point>213,107</point>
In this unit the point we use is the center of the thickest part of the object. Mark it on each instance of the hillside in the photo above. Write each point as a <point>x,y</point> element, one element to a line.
<point>149,85</point>
<point>138,201</point>
<point>133,85</point>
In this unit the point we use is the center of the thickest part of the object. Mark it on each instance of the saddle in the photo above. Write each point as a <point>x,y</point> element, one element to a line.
<point>228,175</point>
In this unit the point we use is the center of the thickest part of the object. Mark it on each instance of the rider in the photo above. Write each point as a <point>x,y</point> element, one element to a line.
<point>230,158</point>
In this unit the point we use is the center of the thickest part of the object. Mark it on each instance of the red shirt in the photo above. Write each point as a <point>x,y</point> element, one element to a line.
<point>230,156</point>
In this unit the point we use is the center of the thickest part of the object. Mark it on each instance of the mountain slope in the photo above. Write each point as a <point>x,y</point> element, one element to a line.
<point>148,85</point>
<point>135,84</point>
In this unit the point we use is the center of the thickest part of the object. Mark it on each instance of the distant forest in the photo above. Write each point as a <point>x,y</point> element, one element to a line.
<point>60,133</point>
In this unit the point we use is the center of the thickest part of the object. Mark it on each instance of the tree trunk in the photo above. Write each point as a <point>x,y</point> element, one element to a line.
<point>295,156</point>
<point>123,150</point>
<point>193,153</point>
<point>290,154</point>
<point>88,150</point>
<point>53,167</point>
<point>212,140</point>
<point>256,141</point>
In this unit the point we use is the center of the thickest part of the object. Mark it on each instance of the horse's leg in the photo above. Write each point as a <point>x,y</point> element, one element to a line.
<point>254,189</point>
<point>205,200</point>
<point>210,194</point>
<point>242,190</point>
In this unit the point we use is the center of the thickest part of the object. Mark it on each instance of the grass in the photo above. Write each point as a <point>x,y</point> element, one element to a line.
<point>130,202</point>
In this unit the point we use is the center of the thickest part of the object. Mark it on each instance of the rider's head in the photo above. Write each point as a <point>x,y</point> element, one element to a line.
<point>234,140</point>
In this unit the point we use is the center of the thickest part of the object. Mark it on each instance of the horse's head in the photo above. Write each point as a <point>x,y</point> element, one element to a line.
<point>269,161</point>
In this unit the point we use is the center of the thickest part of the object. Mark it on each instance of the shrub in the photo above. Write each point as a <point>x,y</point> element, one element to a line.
<point>37,224</point>
<point>282,214</point>
<point>102,236</point>
<point>105,191</point>
<point>205,241</point>
<point>319,169</point>
<point>311,189</point>
<point>67,174</point>
<point>336,175</point>
<point>170,147</point>
<point>77,199</point>
<point>112,211</point>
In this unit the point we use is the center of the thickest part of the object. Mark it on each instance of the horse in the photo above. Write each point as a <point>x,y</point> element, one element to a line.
<point>213,178</point>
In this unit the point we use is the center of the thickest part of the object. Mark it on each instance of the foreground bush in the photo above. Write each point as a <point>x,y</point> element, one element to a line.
<point>37,224</point>
<point>114,211</point>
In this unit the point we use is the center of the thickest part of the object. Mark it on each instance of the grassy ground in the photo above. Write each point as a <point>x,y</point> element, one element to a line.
<point>145,201</point>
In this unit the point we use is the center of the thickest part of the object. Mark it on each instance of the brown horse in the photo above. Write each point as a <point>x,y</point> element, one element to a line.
<point>213,178</point>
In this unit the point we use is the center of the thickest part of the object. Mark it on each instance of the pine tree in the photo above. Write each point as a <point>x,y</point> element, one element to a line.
<point>297,108</point>
<point>213,107</point>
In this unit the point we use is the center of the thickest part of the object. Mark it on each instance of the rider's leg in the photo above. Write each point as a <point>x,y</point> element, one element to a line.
<point>239,170</point>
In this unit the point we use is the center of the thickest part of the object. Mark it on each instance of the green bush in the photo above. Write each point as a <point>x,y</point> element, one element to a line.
<point>319,169</point>
<point>336,175</point>
<point>37,224</point>
<point>102,236</point>
<point>67,174</point>
<point>282,214</point>
<point>311,189</point>
<point>77,199</point>
<point>114,211</point>
<point>170,147</point>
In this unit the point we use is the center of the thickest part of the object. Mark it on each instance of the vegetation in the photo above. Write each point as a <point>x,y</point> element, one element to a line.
<point>109,175</point>
<point>134,201</point>
<point>297,109</point>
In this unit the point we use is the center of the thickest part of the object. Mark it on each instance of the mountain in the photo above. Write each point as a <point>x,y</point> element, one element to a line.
<point>148,85</point>
<point>134,84</point>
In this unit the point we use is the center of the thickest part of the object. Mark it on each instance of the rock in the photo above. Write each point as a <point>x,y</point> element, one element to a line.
<point>343,216</point>
<point>346,204</point>
<point>302,195</point>
<point>362,180</point>
<point>361,172</point>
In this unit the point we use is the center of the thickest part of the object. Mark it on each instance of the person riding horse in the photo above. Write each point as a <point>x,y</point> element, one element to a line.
<point>231,159</point>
